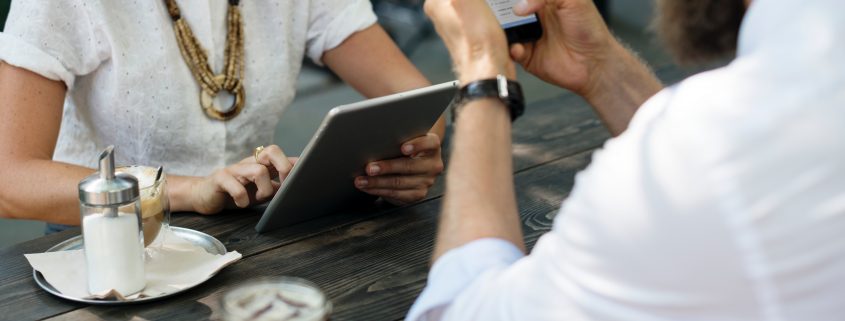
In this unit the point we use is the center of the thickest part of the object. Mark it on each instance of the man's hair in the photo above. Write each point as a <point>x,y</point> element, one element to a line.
<point>699,31</point>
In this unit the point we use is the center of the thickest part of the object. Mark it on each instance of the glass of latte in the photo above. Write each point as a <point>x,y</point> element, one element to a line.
<point>155,206</point>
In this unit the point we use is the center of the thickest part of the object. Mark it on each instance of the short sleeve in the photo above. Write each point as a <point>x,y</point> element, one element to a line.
<point>332,21</point>
<point>55,39</point>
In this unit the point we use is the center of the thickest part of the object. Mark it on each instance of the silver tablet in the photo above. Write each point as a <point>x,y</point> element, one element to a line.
<point>322,181</point>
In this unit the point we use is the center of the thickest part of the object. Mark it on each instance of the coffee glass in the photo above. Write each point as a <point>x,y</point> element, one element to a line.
<point>279,298</point>
<point>155,205</point>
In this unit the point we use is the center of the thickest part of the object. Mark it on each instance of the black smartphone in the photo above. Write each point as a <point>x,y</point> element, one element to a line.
<point>517,29</point>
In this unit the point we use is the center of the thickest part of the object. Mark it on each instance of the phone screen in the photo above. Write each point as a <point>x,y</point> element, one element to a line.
<point>504,12</point>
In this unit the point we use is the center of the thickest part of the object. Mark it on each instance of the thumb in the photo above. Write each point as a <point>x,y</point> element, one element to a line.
<point>527,7</point>
<point>521,52</point>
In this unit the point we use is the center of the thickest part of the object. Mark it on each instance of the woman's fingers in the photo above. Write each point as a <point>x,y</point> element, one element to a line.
<point>422,144</point>
<point>273,155</point>
<point>260,176</point>
<point>244,174</point>
<point>429,165</point>
<point>399,197</point>
<point>405,179</point>
<point>247,182</point>
<point>422,157</point>
<point>394,182</point>
<point>230,185</point>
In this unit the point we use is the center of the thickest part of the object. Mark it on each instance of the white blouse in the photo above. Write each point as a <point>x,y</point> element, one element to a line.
<point>129,86</point>
<point>723,200</point>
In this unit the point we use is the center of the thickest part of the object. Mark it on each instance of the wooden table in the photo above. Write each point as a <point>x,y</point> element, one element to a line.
<point>372,262</point>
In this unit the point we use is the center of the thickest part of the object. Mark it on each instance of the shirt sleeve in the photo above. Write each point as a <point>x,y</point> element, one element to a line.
<point>456,270</point>
<point>55,39</point>
<point>332,21</point>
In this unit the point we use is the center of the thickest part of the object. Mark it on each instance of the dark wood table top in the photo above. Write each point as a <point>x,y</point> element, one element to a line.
<point>372,262</point>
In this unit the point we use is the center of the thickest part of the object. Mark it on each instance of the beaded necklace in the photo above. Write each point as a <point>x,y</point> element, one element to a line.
<point>232,78</point>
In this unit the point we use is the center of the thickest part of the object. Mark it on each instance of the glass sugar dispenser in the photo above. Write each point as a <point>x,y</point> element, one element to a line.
<point>110,205</point>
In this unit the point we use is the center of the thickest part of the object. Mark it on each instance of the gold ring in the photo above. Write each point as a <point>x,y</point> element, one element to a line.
<point>257,152</point>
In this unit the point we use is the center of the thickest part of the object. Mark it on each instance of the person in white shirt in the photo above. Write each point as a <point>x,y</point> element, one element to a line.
<point>78,75</point>
<point>721,198</point>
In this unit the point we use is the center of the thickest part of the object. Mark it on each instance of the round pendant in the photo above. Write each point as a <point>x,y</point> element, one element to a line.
<point>207,101</point>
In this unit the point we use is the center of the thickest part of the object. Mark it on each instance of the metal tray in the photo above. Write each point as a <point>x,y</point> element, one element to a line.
<point>205,241</point>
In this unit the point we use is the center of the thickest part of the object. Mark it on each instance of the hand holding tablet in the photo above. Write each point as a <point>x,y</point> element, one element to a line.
<point>405,179</point>
<point>364,140</point>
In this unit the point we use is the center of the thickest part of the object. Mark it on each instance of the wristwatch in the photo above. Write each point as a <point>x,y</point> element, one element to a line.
<point>509,92</point>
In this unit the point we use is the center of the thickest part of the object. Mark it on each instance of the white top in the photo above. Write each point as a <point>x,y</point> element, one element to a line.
<point>724,200</point>
<point>130,87</point>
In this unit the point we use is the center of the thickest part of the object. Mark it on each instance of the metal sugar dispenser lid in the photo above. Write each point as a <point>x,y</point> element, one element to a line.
<point>106,189</point>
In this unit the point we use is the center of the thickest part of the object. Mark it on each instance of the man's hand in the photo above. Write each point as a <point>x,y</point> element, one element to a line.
<point>578,53</point>
<point>479,201</point>
<point>574,47</point>
<point>405,180</point>
<point>474,38</point>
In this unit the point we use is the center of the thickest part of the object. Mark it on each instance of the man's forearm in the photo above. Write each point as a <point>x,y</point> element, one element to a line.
<point>480,201</point>
<point>622,84</point>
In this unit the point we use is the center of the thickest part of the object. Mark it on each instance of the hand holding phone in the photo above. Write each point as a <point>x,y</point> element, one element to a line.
<point>518,29</point>
<point>576,48</point>
<point>474,38</point>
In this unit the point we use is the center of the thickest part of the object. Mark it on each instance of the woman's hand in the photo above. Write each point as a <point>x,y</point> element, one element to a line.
<point>250,181</point>
<point>475,40</point>
<point>405,180</point>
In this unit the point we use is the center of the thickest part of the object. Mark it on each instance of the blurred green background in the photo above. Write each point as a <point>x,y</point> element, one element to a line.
<point>4,9</point>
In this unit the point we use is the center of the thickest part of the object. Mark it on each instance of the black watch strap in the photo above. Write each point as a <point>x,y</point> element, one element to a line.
<point>509,92</point>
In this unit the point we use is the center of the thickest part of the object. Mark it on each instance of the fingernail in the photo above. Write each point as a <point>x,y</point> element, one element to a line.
<point>520,7</point>
<point>363,182</point>
<point>374,169</point>
<point>408,149</point>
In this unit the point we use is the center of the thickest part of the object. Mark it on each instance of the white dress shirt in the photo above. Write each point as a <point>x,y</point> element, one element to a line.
<point>129,86</point>
<point>724,200</point>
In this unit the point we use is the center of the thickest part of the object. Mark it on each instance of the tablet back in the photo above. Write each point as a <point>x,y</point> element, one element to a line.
<point>322,181</point>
